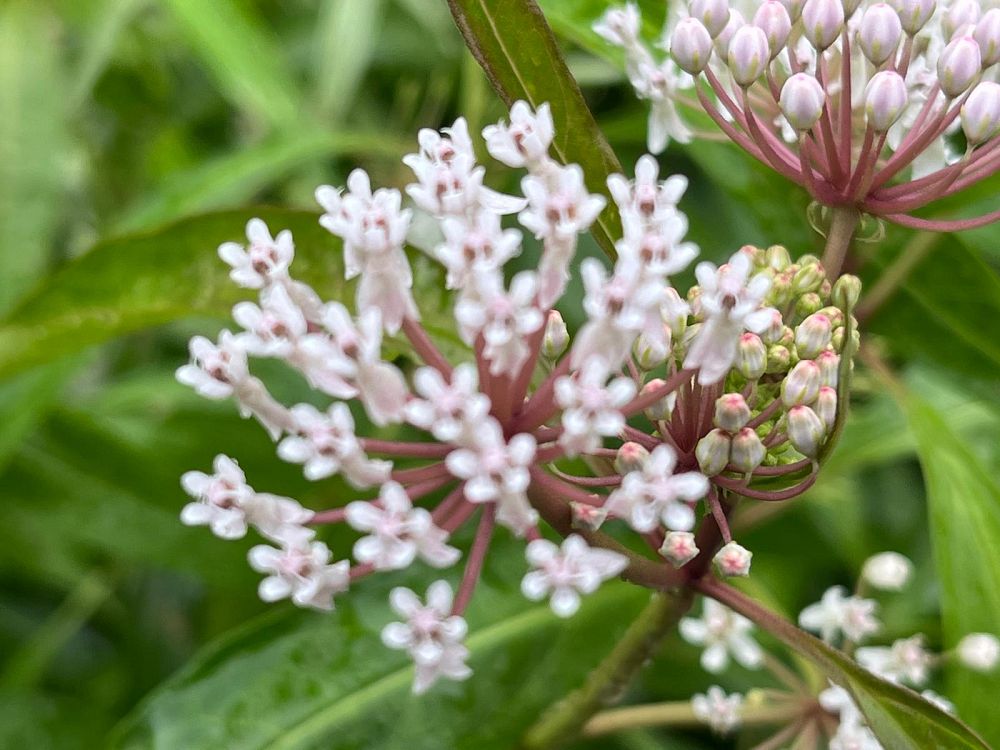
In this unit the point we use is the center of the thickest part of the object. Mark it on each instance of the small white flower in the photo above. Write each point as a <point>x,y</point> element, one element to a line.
<point>221,499</point>
<point>620,25</point>
<point>525,141</point>
<point>679,547</point>
<point>448,410</point>
<point>300,570</point>
<point>325,444</point>
<point>274,328</point>
<point>905,661</point>
<point>838,613</point>
<point>431,634</point>
<point>661,84</point>
<point>723,633</point>
<point>399,532</point>
<point>654,494</point>
<point>559,205</point>
<point>979,651</point>
<point>475,247</point>
<point>565,573</point>
<point>591,406</point>
<point>852,733</point>
<point>730,305</point>
<point>264,260</point>
<point>888,571</point>
<point>216,370</point>
<point>720,711</point>
<point>496,471</point>
<point>733,560</point>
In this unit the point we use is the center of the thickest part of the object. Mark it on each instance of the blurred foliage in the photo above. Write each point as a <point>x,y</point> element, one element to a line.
<point>123,125</point>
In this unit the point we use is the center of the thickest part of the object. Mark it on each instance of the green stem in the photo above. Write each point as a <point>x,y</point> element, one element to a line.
<point>843,222</point>
<point>681,714</point>
<point>564,720</point>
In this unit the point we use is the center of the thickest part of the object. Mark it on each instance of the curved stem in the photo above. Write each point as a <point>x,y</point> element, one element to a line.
<point>843,223</point>
<point>680,714</point>
<point>564,721</point>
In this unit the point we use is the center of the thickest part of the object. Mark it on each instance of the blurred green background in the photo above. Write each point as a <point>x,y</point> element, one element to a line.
<point>126,127</point>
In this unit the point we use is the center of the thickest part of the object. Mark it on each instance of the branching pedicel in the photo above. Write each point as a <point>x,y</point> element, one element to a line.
<point>733,389</point>
<point>841,96</point>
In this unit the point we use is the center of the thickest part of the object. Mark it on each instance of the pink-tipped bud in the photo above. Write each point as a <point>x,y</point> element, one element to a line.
<point>724,37</point>
<point>913,14</point>
<point>714,14</point>
<point>679,548</point>
<point>813,335</point>
<point>846,292</point>
<point>663,408</point>
<point>712,452</point>
<point>751,356</point>
<point>987,35</point>
<point>805,430</point>
<point>801,385</point>
<point>731,412</point>
<point>772,17</point>
<point>826,406</point>
<point>733,560</point>
<point>829,369</point>
<point>886,98</point>
<point>630,457</point>
<point>652,351</point>
<point>981,113</point>
<point>556,336</point>
<point>748,55</point>
<point>772,334</point>
<point>958,66</point>
<point>747,451</point>
<point>822,22</point>
<point>779,359</point>
<point>587,516</point>
<point>960,14</point>
<point>809,277</point>
<point>691,45</point>
<point>802,101</point>
<point>880,32</point>
<point>777,257</point>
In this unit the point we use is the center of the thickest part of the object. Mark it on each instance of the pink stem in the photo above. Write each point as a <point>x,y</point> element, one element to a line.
<point>766,414</point>
<point>477,554</point>
<point>420,473</point>
<point>417,491</point>
<point>541,406</point>
<point>451,501</point>
<point>739,489</point>
<point>406,449</point>
<point>943,225</point>
<point>651,397</point>
<point>719,515</point>
<point>563,490</point>
<point>334,515</point>
<point>425,348</point>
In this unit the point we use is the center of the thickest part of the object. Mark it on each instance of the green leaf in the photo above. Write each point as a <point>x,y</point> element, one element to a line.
<point>326,681</point>
<point>898,716</point>
<point>346,37</point>
<point>574,20</point>
<point>244,58</point>
<point>33,144</point>
<point>515,46</point>
<point>964,505</point>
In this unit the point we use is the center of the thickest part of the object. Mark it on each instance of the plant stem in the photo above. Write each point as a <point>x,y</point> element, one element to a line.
<point>681,714</point>
<point>844,221</point>
<point>564,720</point>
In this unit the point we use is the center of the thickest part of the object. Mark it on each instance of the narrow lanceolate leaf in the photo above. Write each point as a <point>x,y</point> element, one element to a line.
<point>964,505</point>
<point>326,681</point>
<point>900,718</point>
<point>515,46</point>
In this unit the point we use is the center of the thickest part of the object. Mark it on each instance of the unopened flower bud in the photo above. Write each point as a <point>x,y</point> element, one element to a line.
<point>822,22</point>
<point>733,560</point>
<point>781,288</point>
<point>731,412</point>
<point>748,55</point>
<point>829,369</point>
<point>773,19</point>
<point>837,340</point>
<point>801,385</point>
<point>725,37</point>
<point>846,292</point>
<point>714,14</point>
<point>979,651</point>
<point>887,571</point>
<point>774,330</point>
<point>959,64</point>
<point>808,277</point>
<point>802,101</point>
<point>835,314</point>
<point>751,356</point>
<point>880,32</point>
<point>747,450</point>
<point>987,35</point>
<point>826,406</point>
<point>913,14</point>
<point>808,304</point>
<point>675,312</point>
<point>779,359</point>
<point>712,452</point>
<point>679,547</point>
<point>664,407</point>
<point>691,45</point>
<point>630,457</point>
<point>805,430</point>
<point>652,352</point>
<point>794,8</point>
<point>959,15</point>
<point>777,256</point>
<point>586,516</point>
<point>981,112</point>
<point>813,336</point>
<point>886,97</point>
<point>556,336</point>
<point>787,338</point>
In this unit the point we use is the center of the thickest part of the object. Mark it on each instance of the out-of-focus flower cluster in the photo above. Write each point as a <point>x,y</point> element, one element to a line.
<point>679,400</point>
<point>841,96</point>
<point>841,619</point>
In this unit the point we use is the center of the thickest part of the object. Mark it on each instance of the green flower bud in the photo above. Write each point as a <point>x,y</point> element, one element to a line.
<point>747,450</point>
<point>846,292</point>
<point>712,452</point>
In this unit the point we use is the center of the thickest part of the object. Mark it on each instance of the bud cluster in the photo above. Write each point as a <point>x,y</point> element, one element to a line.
<point>840,96</point>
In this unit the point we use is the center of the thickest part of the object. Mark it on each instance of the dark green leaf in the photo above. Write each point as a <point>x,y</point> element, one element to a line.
<point>516,48</point>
